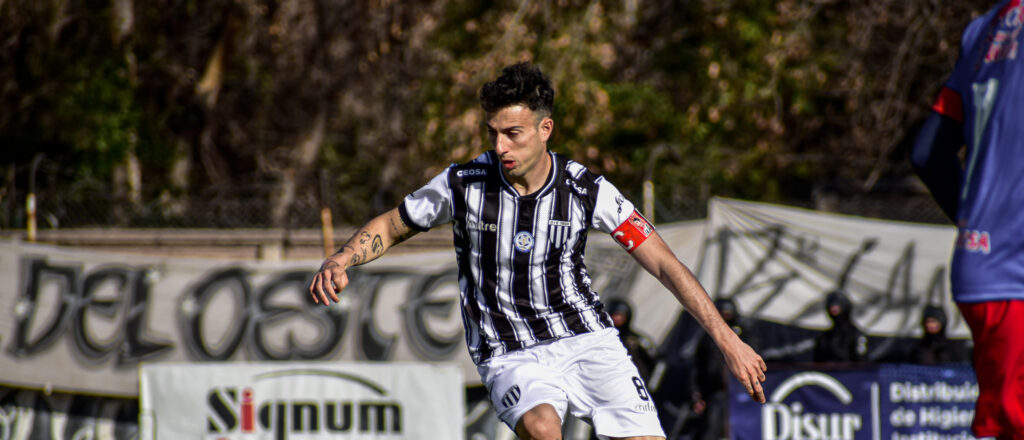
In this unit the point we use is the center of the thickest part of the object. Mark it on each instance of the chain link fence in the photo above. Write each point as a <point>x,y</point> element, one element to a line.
<point>97,207</point>
<point>214,211</point>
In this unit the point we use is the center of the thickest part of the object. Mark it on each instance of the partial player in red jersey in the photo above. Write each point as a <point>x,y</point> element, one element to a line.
<point>980,108</point>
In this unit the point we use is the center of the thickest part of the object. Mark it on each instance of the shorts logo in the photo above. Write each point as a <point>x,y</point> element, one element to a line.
<point>511,397</point>
<point>523,241</point>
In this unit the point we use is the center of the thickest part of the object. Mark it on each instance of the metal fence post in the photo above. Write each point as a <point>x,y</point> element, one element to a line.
<point>649,200</point>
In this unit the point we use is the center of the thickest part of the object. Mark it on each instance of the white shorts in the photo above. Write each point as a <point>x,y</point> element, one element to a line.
<point>590,375</point>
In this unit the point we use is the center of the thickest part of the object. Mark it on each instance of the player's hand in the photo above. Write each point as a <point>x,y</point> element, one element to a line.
<point>329,280</point>
<point>749,369</point>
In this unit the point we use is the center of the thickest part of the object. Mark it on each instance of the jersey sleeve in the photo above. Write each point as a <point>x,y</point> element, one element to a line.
<point>950,100</point>
<point>949,104</point>
<point>616,215</point>
<point>430,205</point>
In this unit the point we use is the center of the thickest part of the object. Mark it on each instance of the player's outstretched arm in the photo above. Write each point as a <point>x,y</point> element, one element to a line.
<point>746,365</point>
<point>935,157</point>
<point>368,243</point>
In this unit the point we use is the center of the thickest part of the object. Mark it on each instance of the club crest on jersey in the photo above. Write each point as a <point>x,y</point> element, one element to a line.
<point>523,241</point>
<point>558,230</point>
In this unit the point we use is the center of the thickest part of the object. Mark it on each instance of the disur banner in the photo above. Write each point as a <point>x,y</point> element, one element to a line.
<point>82,322</point>
<point>897,402</point>
<point>779,263</point>
<point>284,401</point>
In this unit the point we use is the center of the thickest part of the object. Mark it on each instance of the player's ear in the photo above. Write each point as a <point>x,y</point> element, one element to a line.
<point>546,126</point>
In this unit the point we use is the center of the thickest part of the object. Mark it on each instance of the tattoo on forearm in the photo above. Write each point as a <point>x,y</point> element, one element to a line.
<point>394,228</point>
<point>358,255</point>
<point>363,242</point>
<point>396,232</point>
<point>405,236</point>
<point>377,246</point>
<point>346,246</point>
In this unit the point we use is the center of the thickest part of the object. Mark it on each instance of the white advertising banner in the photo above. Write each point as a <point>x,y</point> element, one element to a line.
<point>296,401</point>
<point>779,263</point>
<point>82,321</point>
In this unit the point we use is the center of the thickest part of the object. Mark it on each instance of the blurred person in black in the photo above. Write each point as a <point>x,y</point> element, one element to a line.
<point>709,382</point>
<point>934,347</point>
<point>640,347</point>
<point>844,342</point>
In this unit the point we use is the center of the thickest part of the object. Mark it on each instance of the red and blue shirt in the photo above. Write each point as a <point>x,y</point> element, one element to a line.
<point>986,94</point>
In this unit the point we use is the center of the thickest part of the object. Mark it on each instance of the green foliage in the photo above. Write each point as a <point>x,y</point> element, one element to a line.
<point>96,111</point>
<point>766,100</point>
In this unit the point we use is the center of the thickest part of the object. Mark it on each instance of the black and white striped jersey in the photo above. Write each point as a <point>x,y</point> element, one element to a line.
<point>520,258</point>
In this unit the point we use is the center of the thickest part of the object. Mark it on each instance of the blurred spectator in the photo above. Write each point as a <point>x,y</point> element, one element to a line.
<point>710,380</point>
<point>639,346</point>
<point>844,342</point>
<point>934,347</point>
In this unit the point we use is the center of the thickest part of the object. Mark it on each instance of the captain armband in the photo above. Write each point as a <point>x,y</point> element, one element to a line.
<point>632,232</point>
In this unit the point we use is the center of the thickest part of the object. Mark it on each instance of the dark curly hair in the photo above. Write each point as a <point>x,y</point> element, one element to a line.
<point>523,84</point>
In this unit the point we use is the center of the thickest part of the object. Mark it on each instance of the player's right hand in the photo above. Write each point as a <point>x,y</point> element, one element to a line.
<point>329,280</point>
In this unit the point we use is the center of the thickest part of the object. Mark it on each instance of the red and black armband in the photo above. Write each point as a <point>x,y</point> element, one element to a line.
<point>632,232</point>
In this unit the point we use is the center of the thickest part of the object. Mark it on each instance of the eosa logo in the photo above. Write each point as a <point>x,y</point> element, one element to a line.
<point>781,421</point>
<point>234,413</point>
<point>471,172</point>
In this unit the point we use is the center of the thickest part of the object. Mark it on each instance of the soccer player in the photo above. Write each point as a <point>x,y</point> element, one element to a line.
<point>978,107</point>
<point>534,327</point>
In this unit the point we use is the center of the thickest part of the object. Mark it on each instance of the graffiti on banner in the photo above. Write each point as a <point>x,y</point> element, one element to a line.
<point>778,264</point>
<point>83,321</point>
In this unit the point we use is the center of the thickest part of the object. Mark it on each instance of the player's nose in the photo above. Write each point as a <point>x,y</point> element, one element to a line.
<point>501,145</point>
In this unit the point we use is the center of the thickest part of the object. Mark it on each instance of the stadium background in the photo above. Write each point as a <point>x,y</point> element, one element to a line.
<point>227,126</point>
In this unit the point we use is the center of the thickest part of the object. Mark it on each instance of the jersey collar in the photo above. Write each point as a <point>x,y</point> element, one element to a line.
<point>552,174</point>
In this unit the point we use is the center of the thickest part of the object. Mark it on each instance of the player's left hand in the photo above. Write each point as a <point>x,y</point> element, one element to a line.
<point>749,369</point>
<point>329,280</point>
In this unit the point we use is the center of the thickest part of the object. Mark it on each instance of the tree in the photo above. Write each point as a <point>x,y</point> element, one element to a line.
<point>256,112</point>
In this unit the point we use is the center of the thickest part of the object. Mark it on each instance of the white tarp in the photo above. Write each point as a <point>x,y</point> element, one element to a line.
<point>82,321</point>
<point>778,263</point>
<point>301,400</point>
